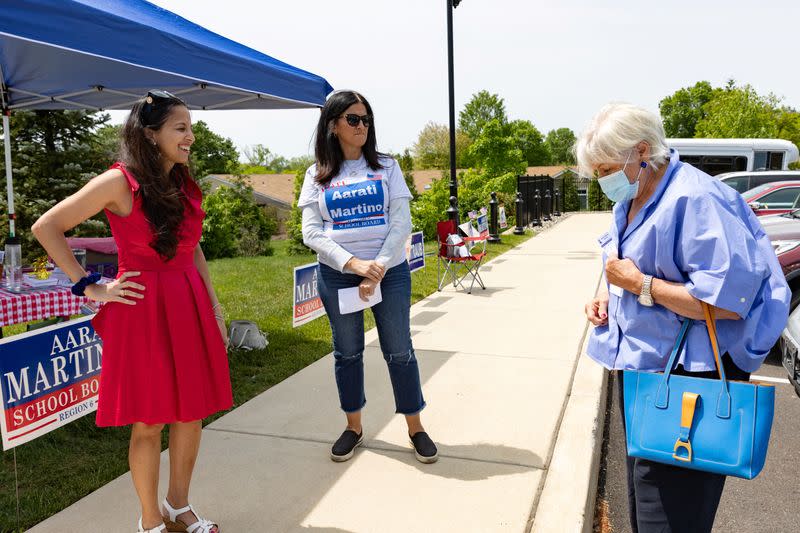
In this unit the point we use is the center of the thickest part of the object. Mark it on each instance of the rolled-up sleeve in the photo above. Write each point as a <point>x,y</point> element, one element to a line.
<point>719,255</point>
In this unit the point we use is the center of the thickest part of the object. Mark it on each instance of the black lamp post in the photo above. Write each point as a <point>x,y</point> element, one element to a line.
<point>453,211</point>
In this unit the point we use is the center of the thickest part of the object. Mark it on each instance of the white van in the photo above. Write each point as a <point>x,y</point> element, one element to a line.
<point>716,156</point>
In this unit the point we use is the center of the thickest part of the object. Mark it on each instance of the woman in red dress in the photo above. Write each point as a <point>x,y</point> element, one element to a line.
<point>164,336</point>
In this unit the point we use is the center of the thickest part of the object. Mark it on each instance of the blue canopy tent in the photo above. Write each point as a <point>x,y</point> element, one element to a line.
<point>105,54</point>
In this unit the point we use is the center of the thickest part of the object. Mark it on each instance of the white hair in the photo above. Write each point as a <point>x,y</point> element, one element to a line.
<point>616,130</point>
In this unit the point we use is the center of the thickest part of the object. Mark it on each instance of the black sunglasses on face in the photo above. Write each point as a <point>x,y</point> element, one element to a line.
<point>352,119</point>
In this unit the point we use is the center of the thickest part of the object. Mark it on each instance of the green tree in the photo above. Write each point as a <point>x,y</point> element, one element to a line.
<point>682,110</point>
<point>740,112</point>
<point>559,144</point>
<point>432,149</point>
<point>294,226</point>
<point>569,192</point>
<point>53,154</point>
<point>595,199</point>
<point>789,129</point>
<point>260,160</point>
<point>496,153</point>
<point>257,155</point>
<point>431,207</point>
<point>479,111</point>
<point>212,153</point>
<point>300,162</point>
<point>106,141</point>
<point>406,162</point>
<point>234,224</point>
<point>530,141</point>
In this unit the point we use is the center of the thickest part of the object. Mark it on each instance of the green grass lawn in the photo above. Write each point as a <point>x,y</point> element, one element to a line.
<point>70,462</point>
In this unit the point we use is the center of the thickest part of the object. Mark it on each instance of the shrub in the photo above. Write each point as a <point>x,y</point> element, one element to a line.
<point>431,207</point>
<point>294,226</point>
<point>235,225</point>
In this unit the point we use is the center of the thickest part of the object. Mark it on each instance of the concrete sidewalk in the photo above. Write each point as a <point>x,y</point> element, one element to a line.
<point>518,427</point>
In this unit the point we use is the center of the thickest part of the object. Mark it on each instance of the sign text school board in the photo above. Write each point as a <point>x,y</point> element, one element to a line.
<point>306,303</point>
<point>48,378</point>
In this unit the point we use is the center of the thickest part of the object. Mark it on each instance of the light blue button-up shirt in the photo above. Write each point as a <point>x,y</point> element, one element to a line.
<point>700,232</point>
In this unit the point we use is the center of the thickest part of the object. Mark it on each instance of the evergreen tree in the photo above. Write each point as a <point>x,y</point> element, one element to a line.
<point>569,193</point>
<point>594,196</point>
<point>53,154</point>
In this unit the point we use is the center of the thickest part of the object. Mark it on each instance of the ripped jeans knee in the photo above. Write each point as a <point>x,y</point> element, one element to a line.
<point>401,358</point>
<point>348,358</point>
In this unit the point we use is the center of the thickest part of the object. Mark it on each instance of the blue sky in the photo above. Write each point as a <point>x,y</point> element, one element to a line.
<point>554,63</point>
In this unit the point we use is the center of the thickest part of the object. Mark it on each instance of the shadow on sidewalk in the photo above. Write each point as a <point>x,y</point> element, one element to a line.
<point>312,529</point>
<point>488,467</point>
<point>488,292</point>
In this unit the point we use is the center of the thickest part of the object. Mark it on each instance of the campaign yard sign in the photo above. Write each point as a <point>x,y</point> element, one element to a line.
<point>483,225</point>
<point>502,217</point>
<point>416,251</point>
<point>48,378</point>
<point>307,304</point>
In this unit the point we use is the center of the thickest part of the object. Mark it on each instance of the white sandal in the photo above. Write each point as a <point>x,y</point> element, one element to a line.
<point>157,529</point>
<point>174,525</point>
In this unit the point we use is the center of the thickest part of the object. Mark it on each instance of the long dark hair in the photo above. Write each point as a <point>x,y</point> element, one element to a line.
<point>327,150</point>
<point>162,196</point>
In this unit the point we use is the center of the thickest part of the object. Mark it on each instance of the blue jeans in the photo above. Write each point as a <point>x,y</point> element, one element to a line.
<point>394,334</point>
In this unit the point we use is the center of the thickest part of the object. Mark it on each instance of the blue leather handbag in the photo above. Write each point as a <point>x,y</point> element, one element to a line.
<point>714,425</point>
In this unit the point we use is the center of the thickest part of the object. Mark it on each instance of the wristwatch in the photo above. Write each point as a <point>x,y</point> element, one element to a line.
<point>645,298</point>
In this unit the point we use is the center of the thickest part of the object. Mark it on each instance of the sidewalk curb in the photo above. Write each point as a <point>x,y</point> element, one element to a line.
<point>566,503</point>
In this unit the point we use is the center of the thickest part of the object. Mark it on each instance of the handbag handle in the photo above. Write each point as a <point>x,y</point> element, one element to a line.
<point>724,400</point>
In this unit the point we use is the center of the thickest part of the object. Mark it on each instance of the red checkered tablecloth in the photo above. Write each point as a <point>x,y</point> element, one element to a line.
<point>38,304</point>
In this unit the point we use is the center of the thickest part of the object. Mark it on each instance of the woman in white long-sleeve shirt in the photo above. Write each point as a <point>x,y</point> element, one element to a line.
<point>356,217</point>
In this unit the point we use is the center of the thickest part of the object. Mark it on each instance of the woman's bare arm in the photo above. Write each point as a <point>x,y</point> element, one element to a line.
<point>108,190</point>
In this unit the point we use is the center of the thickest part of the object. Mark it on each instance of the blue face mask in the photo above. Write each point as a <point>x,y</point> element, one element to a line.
<point>617,186</point>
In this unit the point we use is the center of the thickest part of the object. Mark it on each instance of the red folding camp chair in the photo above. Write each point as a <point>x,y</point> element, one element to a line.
<point>448,255</point>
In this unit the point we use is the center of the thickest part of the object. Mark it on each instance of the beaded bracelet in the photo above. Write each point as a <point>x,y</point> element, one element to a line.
<point>80,287</point>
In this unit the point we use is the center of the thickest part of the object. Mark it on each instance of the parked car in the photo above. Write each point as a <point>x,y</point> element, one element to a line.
<point>790,347</point>
<point>784,233</point>
<point>774,198</point>
<point>744,181</point>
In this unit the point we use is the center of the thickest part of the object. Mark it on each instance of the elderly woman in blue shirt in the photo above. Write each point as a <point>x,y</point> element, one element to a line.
<point>679,237</point>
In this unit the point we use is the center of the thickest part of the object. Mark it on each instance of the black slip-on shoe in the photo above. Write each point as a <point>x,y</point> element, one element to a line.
<point>424,448</point>
<point>345,446</point>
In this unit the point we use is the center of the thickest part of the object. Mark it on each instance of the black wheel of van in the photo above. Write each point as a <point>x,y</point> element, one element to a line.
<point>795,300</point>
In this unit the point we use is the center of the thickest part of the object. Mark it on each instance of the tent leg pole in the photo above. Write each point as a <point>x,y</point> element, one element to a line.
<point>9,182</point>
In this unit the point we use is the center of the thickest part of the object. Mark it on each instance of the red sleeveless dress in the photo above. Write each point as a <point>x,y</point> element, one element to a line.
<point>164,359</point>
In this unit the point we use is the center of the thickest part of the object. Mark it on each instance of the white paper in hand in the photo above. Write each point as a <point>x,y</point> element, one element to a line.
<point>350,302</point>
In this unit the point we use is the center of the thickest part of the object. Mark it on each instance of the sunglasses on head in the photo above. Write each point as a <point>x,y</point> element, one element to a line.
<point>353,119</point>
<point>159,95</point>
<point>153,99</point>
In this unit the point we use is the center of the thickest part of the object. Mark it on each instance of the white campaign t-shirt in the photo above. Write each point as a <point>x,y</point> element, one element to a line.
<point>355,203</point>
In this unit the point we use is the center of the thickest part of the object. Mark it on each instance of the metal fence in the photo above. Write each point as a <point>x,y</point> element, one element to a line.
<point>541,201</point>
